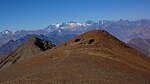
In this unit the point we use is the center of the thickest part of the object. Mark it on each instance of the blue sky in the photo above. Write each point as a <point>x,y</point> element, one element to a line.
<point>38,14</point>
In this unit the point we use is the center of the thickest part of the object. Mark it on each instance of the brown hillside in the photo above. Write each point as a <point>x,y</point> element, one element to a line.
<point>29,49</point>
<point>95,57</point>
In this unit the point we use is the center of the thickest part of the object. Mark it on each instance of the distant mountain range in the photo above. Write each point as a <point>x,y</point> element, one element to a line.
<point>124,30</point>
<point>140,44</point>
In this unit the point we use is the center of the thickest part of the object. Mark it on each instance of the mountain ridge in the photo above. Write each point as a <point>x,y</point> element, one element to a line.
<point>58,33</point>
<point>13,44</point>
<point>25,51</point>
<point>105,59</point>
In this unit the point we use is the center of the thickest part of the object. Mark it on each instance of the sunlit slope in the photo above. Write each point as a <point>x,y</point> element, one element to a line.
<point>95,57</point>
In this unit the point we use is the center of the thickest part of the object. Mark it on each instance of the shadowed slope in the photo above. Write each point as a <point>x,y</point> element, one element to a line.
<point>95,57</point>
<point>29,49</point>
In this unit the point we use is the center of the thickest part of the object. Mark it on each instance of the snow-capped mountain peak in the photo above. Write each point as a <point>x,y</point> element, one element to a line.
<point>72,24</point>
<point>57,25</point>
<point>5,32</point>
<point>67,25</point>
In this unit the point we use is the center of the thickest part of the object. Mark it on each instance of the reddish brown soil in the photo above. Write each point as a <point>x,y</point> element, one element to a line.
<point>95,57</point>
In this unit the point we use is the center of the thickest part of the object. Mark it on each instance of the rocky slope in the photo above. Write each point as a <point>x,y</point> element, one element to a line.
<point>13,44</point>
<point>27,50</point>
<point>91,58</point>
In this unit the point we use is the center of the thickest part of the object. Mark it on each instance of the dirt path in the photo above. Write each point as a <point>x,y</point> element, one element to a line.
<point>51,67</point>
